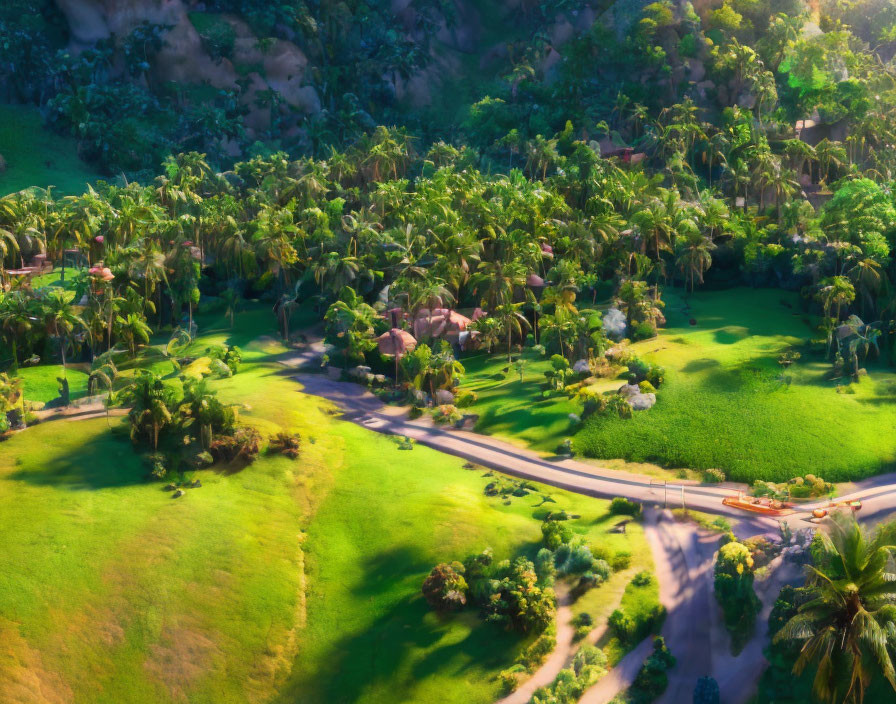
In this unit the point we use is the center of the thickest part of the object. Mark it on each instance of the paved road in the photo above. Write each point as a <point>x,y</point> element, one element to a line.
<point>362,407</point>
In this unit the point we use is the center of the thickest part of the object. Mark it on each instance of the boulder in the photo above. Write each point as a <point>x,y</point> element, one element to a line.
<point>196,484</point>
<point>582,367</point>
<point>170,487</point>
<point>177,494</point>
<point>359,372</point>
<point>443,397</point>
<point>629,390</point>
<point>642,402</point>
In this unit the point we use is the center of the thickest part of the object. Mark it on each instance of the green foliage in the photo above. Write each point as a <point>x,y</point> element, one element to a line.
<point>620,506</point>
<point>734,591</point>
<point>444,589</point>
<point>555,533</point>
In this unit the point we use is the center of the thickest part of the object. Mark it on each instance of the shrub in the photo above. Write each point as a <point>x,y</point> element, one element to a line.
<point>287,444</point>
<point>637,369</point>
<point>243,445</point>
<point>623,627</point>
<point>577,560</point>
<point>734,592</point>
<point>652,679</point>
<point>601,568</point>
<point>643,331</point>
<point>620,506</point>
<point>622,560</point>
<point>545,568</point>
<point>537,651</point>
<point>464,398</point>
<point>444,589</point>
<point>642,579</point>
<point>509,679</point>
<point>554,533</point>
<point>713,476</point>
<point>447,413</point>
<point>646,387</point>
<point>583,624</point>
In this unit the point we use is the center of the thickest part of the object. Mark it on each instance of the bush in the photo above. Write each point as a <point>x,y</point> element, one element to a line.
<point>464,398</point>
<point>620,506</point>
<point>622,560</point>
<point>244,445</point>
<point>646,387</point>
<point>643,331</point>
<point>554,534</point>
<point>287,444</point>
<point>537,651</point>
<point>447,413</point>
<point>652,679</point>
<point>713,476</point>
<point>642,579</point>
<point>601,569</point>
<point>444,589</point>
<point>734,592</point>
<point>577,560</point>
<point>545,568</point>
<point>583,624</point>
<point>509,679</point>
<point>623,627</point>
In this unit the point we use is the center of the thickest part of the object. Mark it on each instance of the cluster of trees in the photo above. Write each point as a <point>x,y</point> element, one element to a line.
<point>510,593</point>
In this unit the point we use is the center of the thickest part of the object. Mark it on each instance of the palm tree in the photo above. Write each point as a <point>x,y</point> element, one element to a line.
<point>512,322</point>
<point>17,318</point>
<point>61,320</point>
<point>830,156</point>
<point>694,257</point>
<point>834,291</point>
<point>846,628</point>
<point>867,276</point>
<point>153,405</point>
<point>133,329</point>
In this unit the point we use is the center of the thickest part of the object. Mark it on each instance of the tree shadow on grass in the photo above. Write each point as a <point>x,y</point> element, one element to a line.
<point>700,365</point>
<point>378,655</point>
<point>103,464</point>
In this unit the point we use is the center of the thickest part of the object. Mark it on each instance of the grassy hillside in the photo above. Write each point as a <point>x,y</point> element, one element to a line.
<point>291,579</point>
<point>37,157</point>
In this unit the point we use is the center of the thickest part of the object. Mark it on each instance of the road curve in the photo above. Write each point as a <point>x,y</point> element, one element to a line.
<point>365,409</point>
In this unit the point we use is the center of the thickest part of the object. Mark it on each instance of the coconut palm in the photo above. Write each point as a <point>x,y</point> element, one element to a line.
<point>512,323</point>
<point>846,628</point>
<point>133,329</point>
<point>693,257</point>
<point>61,319</point>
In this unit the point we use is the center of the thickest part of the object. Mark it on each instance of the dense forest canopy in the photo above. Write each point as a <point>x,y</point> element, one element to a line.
<point>747,141</point>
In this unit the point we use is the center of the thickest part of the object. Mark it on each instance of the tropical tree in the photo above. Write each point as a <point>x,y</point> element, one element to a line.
<point>61,319</point>
<point>847,626</point>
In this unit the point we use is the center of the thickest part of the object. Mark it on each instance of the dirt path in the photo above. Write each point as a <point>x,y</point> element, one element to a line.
<point>556,661</point>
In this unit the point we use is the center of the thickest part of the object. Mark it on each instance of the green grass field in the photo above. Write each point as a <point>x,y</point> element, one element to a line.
<point>725,404</point>
<point>35,156</point>
<point>514,409</point>
<point>286,581</point>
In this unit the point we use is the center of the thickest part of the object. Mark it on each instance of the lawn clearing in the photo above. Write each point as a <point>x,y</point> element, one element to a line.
<point>40,382</point>
<point>35,156</point>
<point>515,409</point>
<point>725,402</point>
